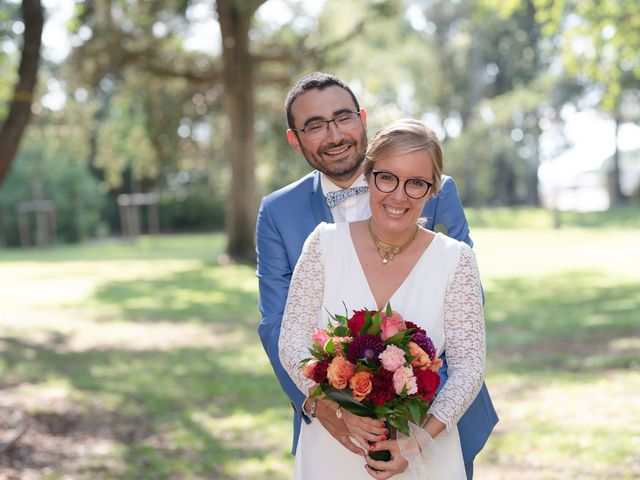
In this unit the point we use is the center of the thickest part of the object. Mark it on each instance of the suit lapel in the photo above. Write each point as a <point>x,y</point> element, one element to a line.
<point>321,211</point>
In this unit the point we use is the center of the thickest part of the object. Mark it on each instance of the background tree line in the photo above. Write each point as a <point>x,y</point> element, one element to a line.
<point>133,108</point>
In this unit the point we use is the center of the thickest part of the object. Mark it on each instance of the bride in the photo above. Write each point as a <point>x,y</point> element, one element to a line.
<point>431,279</point>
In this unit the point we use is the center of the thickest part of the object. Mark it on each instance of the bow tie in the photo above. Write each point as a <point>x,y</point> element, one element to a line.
<point>339,196</point>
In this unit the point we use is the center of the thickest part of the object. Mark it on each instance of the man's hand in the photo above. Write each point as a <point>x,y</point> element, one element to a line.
<point>326,414</point>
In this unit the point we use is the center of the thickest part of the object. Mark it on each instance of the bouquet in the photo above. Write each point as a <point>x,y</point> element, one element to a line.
<point>375,364</point>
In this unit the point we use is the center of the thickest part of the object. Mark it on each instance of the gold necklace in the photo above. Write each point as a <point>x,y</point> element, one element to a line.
<point>388,251</point>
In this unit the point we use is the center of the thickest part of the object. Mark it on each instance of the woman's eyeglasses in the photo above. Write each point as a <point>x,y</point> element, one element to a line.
<point>387,182</point>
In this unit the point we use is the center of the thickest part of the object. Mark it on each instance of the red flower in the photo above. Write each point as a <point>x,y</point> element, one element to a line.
<point>427,382</point>
<point>415,327</point>
<point>365,347</point>
<point>356,322</point>
<point>320,371</point>
<point>382,390</point>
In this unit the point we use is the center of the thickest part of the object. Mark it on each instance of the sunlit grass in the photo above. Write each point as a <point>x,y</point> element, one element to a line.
<point>152,348</point>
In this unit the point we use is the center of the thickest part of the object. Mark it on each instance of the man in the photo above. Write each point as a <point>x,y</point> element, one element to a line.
<point>327,125</point>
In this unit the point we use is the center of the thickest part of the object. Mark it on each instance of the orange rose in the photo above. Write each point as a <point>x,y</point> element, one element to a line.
<point>340,372</point>
<point>337,344</point>
<point>422,359</point>
<point>361,385</point>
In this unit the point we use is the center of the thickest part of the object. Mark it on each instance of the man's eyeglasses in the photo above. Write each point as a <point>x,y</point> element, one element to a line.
<point>387,182</point>
<point>318,128</point>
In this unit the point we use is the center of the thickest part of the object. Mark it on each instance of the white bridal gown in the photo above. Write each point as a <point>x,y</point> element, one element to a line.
<point>441,294</point>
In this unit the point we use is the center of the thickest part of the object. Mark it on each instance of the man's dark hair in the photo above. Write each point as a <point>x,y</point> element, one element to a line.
<point>319,80</point>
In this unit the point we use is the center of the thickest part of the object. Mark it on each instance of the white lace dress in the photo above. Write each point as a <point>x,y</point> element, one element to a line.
<point>441,294</point>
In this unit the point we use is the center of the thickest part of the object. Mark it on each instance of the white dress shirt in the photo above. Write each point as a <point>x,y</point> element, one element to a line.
<point>352,209</point>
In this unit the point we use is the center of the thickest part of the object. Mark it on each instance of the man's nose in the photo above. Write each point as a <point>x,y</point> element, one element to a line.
<point>333,131</point>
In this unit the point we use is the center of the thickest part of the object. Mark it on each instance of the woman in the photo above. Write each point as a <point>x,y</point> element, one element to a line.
<point>429,278</point>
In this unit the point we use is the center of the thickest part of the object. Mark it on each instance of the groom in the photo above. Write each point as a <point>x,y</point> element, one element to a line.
<point>327,125</point>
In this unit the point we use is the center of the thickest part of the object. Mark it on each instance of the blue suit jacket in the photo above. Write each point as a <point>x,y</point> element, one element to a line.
<point>285,220</point>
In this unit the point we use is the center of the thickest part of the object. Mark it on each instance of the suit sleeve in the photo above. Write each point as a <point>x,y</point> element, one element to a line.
<point>449,212</point>
<point>274,275</point>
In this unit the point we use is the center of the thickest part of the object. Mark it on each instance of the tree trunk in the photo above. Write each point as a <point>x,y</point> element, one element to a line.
<point>615,191</point>
<point>503,183</point>
<point>20,109</point>
<point>238,76</point>
<point>476,89</point>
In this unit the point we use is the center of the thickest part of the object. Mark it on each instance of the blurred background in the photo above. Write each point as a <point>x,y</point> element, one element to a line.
<point>137,138</point>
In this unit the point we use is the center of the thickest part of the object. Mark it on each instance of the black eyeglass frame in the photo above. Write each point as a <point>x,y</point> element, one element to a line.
<point>375,174</point>
<point>315,123</point>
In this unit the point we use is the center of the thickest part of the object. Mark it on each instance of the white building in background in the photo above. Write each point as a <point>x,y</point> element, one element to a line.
<point>578,178</point>
<point>563,186</point>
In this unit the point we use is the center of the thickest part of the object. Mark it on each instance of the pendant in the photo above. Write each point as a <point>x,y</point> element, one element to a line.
<point>385,260</point>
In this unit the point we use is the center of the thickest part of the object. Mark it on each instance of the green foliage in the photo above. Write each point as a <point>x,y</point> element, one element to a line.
<point>50,166</point>
<point>602,41</point>
<point>196,212</point>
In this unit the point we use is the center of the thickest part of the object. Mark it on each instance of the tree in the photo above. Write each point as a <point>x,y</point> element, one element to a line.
<point>247,62</point>
<point>602,39</point>
<point>20,110</point>
<point>238,74</point>
<point>488,50</point>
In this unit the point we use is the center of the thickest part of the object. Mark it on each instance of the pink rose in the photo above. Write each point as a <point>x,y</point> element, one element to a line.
<point>392,325</point>
<point>361,385</point>
<point>403,377</point>
<point>340,372</point>
<point>320,337</point>
<point>422,359</point>
<point>392,358</point>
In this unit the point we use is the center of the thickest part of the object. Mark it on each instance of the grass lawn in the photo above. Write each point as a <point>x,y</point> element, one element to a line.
<point>142,360</point>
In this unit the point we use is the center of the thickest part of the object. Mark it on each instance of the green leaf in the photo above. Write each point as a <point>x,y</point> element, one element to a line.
<point>317,391</point>
<point>331,317</point>
<point>397,339</point>
<point>382,411</point>
<point>414,411</point>
<point>329,347</point>
<point>341,331</point>
<point>316,354</point>
<point>376,321</point>
<point>367,323</point>
<point>342,320</point>
<point>345,399</point>
<point>389,311</point>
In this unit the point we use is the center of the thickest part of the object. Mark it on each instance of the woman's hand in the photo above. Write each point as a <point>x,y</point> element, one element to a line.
<point>383,470</point>
<point>364,429</point>
<point>326,414</point>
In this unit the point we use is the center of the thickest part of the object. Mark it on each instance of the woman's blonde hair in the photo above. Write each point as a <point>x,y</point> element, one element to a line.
<point>405,136</point>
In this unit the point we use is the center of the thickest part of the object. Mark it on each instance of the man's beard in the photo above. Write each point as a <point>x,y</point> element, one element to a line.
<point>340,172</point>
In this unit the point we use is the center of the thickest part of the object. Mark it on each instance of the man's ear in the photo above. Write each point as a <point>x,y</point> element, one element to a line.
<point>294,141</point>
<point>363,117</point>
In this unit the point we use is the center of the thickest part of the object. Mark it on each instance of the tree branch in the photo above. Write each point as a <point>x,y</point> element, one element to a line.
<point>300,54</point>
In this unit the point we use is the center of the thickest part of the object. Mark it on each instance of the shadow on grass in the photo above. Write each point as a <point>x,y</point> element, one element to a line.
<point>146,247</point>
<point>225,296</point>
<point>573,321</point>
<point>181,413</point>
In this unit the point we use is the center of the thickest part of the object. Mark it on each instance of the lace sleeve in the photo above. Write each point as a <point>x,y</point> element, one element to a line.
<point>301,312</point>
<point>464,342</point>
